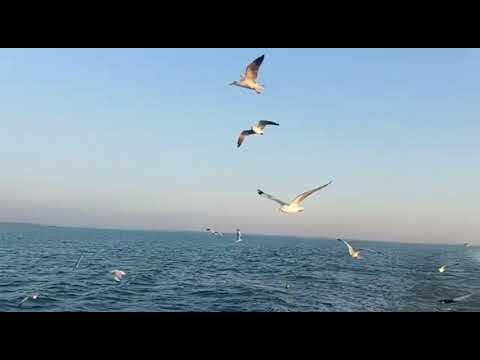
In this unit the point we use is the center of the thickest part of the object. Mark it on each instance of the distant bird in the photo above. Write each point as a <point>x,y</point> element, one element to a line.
<point>118,274</point>
<point>444,267</point>
<point>353,253</point>
<point>287,286</point>
<point>78,262</point>
<point>257,129</point>
<point>466,244</point>
<point>460,298</point>
<point>249,79</point>
<point>294,206</point>
<point>34,296</point>
<point>213,232</point>
<point>239,236</point>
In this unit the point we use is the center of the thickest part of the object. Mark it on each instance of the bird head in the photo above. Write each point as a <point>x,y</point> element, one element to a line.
<point>234,83</point>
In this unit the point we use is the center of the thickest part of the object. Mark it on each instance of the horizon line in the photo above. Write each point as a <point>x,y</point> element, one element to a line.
<point>309,237</point>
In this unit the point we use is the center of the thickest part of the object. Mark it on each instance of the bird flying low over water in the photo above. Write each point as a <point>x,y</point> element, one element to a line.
<point>239,236</point>
<point>257,129</point>
<point>118,274</point>
<point>353,253</point>
<point>77,264</point>
<point>249,79</point>
<point>294,206</point>
<point>460,298</point>
<point>213,232</point>
<point>444,267</point>
<point>34,296</point>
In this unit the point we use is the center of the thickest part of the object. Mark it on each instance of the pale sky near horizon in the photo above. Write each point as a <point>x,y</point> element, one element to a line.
<point>146,138</point>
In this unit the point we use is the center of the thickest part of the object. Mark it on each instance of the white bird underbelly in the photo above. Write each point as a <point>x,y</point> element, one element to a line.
<point>290,209</point>
<point>257,130</point>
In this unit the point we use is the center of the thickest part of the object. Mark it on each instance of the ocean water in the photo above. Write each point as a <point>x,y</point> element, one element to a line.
<point>188,271</point>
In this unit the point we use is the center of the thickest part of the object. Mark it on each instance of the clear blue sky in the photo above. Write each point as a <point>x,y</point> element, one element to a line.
<point>146,138</point>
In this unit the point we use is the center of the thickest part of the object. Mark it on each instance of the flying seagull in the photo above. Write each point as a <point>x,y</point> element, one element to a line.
<point>78,262</point>
<point>444,267</point>
<point>249,79</point>
<point>460,298</point>
<point>294,206</point>
<point>353,253</point>
<point>257,129</point>
<point>213,232</point>
<point>34,296</point>
<point>239,235</point>
<point>118,274</point>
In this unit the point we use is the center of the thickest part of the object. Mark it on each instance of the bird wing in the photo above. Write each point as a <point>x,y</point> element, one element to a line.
<point>462,297</point>
<point>268,196</point>
<point>251,73</point>
<point>25,299</point>
<point>242,136</point>
<point>263,123</point>
<point>350,248</point>
<point>78,262</point>
<point>298,200</point>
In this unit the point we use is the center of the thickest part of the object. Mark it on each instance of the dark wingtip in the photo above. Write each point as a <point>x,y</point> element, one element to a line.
<point>259,192</point>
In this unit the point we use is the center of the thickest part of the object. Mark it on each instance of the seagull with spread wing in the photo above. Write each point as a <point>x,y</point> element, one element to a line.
<point>353,253</point>
<point>239,236</point>
<point>257,129</point>
<point>34,296</point>
<point>294,206</point>
<point>460,298</point>
<point>214,232</point>
<point>249,79</point>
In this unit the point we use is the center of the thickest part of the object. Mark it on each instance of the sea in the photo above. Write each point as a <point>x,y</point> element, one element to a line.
<point>199,272</point>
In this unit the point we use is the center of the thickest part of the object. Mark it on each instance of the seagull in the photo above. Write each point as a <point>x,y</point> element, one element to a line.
<point>257,129</point>
<point>118,274</point>
<point>294,206</point>
<point>249,79</point>
<point>78,262</point>
<point>239,235</point>
<point>353,253</point>
<point>213,232</point>
<point>444,267</point>
<point>466,244</point>
<point>460,298</point>
<point>34,296</point>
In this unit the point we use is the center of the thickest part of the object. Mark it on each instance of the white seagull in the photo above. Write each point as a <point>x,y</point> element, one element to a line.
<point>460,298</point>
<point>249,79</point>
<point>118,274</point>
<point>444,267</point>
<point>213,232</point>
<point>239,235</point>
<point>294,206</point>
<point>34,296</point>
<point>257,129</point>
<point>353,253</point>
<point>78,262</point>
